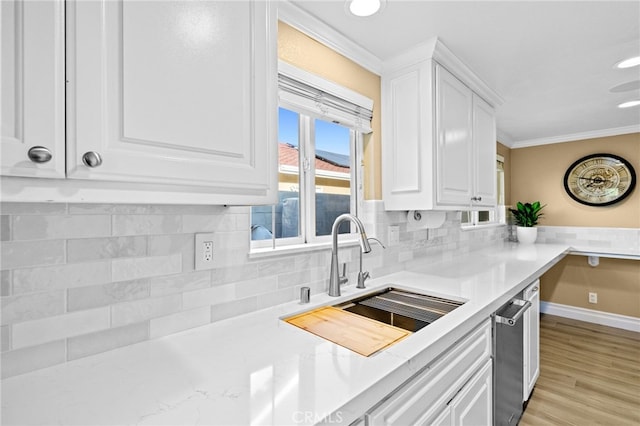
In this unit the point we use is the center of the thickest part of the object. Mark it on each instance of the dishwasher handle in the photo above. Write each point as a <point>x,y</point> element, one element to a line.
<point>512,320</point>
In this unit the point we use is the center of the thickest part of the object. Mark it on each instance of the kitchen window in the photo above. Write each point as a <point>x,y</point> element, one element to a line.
<point>495,216</point>
<point>320,129</point>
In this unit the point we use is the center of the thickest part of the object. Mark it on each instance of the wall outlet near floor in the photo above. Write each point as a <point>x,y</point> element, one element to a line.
<point>204,251</point>
<point>593,297</point>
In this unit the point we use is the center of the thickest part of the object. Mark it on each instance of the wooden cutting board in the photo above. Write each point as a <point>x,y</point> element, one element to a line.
<point>357,333</point>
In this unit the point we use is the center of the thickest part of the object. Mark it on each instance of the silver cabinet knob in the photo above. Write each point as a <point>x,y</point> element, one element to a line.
<point>39,154</point>
<point>91,159</point>
<point>476,198</point>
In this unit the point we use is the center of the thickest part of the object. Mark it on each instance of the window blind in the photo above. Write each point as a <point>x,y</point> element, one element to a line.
<point>306,92</point>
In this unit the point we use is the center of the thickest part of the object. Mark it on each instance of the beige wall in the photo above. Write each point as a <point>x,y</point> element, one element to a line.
<point>306,53</point>
<point>617,282</point>
<point>538,172</point>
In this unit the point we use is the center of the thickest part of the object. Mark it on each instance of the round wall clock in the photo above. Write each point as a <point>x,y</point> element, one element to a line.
<point>600,179</point>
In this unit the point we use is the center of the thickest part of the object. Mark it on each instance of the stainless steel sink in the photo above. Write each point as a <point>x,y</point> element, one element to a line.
<point>401,308</point>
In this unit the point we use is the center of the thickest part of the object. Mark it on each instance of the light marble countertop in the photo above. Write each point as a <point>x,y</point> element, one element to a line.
<point>257,369</point>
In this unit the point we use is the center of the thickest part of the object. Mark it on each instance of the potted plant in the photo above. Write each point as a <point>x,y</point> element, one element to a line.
<point>526,218</point>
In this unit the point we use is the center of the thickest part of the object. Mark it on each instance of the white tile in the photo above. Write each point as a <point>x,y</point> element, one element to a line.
<point>31,306</point>
<point>179,283</point>
<point>32,358</point>
<point>21,254</point>
<point>180,321</point>
<point>36,332</point>
<point>256,286</point>
<point>146,224</point>
<point>139,267</point>
<point>208,297</point>
<point>94,296</point>
<point>49,227</point>
<point>144,309</point>
<point>102,341</point>
<point>60,277</point>
<point>33,208</point>
<point>105,248</point>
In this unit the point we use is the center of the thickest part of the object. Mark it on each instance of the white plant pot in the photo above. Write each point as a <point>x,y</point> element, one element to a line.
<point>526,235</point>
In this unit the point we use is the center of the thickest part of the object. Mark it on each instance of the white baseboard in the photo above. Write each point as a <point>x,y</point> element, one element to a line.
<point>589,315</point>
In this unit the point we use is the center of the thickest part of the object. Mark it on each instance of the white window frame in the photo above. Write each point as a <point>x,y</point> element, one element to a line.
<point>308,112</point>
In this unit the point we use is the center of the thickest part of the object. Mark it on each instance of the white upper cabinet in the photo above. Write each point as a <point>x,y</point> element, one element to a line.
<point>484,154</point>
<point>454,143</point>
<point>32,88</point>
<point>167,101</point>
<point>438,134</point>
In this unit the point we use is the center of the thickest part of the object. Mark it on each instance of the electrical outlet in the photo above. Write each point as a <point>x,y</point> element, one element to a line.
<point>204,251</point>
<point>394,235</point>
<point>593,297</point>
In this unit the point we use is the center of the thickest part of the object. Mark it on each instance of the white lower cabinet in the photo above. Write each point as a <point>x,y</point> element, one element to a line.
<point>531,343</point>
<point>454,389</point>
<point>474,404</point>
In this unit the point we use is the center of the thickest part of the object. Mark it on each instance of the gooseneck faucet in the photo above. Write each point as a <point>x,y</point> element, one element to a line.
<point>334,278</point>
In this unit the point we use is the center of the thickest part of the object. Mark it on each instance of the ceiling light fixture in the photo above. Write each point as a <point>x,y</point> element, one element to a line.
<point>628,63</point>
<point>364,8</point>
<point>629,104</point>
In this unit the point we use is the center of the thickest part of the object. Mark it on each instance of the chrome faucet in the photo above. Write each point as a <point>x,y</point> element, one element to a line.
<point>363,276</point>
<point>335,280</point>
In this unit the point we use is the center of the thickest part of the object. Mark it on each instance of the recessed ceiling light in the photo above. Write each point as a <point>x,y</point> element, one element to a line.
<point>629,104</point>
<point>628,63</point>
<point>364,8</point>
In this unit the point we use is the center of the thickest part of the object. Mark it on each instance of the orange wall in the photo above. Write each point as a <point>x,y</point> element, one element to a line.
<point>538,172</point>
<point>308,54</point>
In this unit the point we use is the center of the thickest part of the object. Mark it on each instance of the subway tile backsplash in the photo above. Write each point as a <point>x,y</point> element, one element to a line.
<point>81,279</point>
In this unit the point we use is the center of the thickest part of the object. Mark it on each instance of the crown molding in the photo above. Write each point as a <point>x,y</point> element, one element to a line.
<point>327,35</point>
<point>575,136</point>
<point>434,49</point>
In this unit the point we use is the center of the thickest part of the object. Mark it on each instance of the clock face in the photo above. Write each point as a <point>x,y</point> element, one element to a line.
<point>600,179</point>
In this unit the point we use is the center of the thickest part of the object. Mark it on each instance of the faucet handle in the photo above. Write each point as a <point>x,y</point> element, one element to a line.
<point>343,278</point>
<point>362,277</point>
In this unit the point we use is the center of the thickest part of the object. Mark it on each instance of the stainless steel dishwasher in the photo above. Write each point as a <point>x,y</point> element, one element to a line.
<point>508,356</point>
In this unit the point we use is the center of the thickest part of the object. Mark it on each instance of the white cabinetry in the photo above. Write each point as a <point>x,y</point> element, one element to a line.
<point>164,98</point>
<point>531,343</point>
<point>439,135</point>
<point>455,388</point>
<point>32,88</point>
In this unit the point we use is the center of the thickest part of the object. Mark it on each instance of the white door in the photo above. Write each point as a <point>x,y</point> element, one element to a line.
<point>32,87</point>
<point>531,342</point>
<point>484,145</point>
<point>474,404</point>
<point>454,140</point>
<point>174,92</point>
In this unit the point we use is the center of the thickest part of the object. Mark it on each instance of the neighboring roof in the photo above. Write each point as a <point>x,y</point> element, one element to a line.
<point>329,161</point>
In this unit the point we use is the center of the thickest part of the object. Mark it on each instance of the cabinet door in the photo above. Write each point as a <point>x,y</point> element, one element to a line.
<point>454,140</point>
<point>174,92</point>
<point>484,147</point>
<point>32,87</point>
<point>531,342</point>
<point>407,129</point>
<point>474,404</point>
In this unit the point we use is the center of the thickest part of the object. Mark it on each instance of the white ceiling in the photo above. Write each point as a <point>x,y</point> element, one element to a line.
<point>551,61</point>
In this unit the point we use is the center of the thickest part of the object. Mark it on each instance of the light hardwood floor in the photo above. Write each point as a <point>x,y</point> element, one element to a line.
<point>589,375</point>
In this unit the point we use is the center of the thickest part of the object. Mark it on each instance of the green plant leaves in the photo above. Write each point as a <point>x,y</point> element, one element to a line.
<point>527,214</point>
